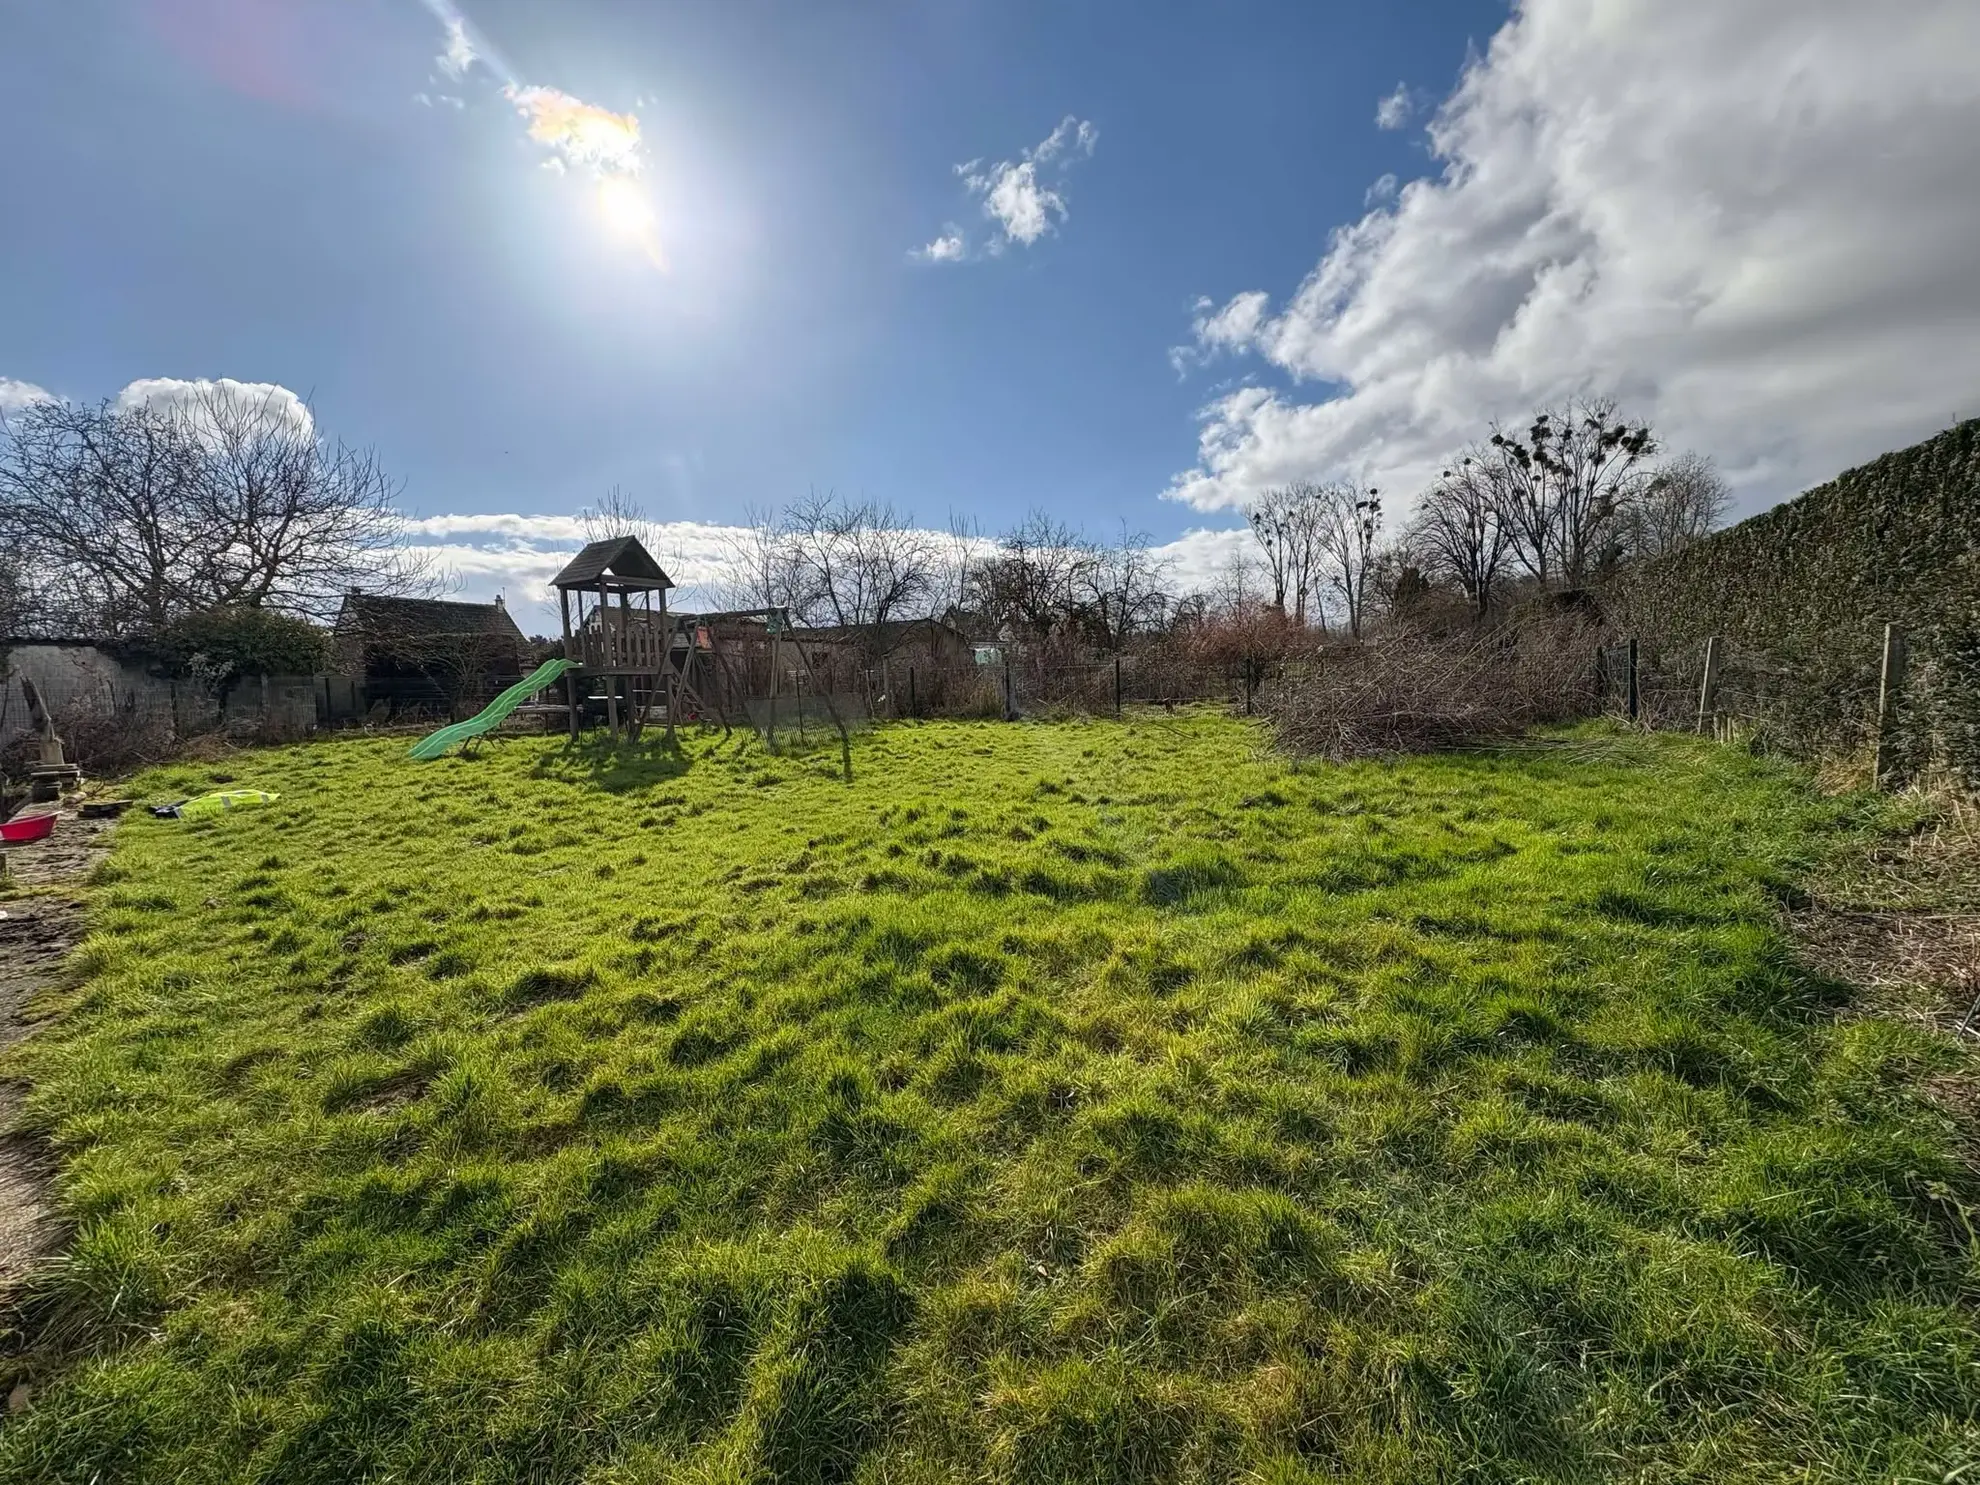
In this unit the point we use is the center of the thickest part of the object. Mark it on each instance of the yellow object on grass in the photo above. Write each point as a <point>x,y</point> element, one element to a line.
<point>224,801</point>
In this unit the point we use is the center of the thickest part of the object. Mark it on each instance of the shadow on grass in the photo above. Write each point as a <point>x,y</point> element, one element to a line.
<point>616,768</point>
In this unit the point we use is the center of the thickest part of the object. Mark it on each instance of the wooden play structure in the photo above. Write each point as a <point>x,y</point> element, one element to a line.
<point>613,599</point>
<point>706,668</point>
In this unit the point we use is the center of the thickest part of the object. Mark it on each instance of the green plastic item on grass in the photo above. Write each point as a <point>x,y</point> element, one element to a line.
<point>492,715</point>
<point>225,801</point>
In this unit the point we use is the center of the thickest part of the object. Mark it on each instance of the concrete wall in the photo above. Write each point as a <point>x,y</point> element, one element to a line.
<point>81,682</point>
<point>80,679</point>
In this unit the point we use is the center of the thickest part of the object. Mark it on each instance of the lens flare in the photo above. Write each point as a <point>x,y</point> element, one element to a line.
<point>580,138</point>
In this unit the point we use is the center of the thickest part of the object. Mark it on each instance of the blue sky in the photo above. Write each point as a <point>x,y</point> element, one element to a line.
<point>1245,278</point>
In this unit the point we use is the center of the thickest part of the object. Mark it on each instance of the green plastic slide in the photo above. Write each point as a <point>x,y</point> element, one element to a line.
<point>495,713</point>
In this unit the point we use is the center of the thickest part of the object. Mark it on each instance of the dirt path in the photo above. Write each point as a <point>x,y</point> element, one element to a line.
<point>37,930</point>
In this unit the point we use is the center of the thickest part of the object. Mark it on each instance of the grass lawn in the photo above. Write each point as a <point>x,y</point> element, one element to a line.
<point>1056,1102</point>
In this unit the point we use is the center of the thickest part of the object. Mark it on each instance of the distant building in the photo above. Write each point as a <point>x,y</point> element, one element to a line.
<point>923,641</point>
<point>426,653</point>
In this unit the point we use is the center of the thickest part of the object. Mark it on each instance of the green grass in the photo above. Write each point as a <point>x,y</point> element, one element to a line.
<point>1055,1102</point>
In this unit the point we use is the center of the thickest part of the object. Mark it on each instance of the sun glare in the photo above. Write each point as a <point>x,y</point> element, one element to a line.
<point>628,212</point>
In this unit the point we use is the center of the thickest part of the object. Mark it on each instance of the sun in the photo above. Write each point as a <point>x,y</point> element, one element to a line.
<point>628,212</point>
<point>625,206</point>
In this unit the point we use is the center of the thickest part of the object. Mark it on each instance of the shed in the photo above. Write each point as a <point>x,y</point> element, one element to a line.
<point>425,649</point>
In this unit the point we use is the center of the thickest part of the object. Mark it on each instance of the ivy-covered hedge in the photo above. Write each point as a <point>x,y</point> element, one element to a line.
<point>1807,587</point>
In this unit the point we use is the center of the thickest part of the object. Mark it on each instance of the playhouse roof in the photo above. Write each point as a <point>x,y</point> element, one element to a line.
<point>621,558</point>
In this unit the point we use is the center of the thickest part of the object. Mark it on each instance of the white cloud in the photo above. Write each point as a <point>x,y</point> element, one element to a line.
<point>950,247</point>
<point>1199,559</point>
<point>1396,109</point>
<point>1232,328</point>
<point>581,134</point>
<point>566,529</point>
<point>1024,197</point>
<point>458,54</point>
<point>1013,198</point>
<point>517,555</point>
<point>1076,135</point>
<point>275,405</point>
<point>1753,223</point>
<point>1384,189</point>
<point>16,396</point>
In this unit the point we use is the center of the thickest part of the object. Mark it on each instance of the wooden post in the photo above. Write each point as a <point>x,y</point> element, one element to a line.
<point>1708,690</point>
<point>1601,678</point>
<point>914,709</point>
<point>1010,694</point>
<point>570,676</point>
<point>1890,691</point>
<point>1117,688</point>
<point>776,663</point>
<point>1634,697</point>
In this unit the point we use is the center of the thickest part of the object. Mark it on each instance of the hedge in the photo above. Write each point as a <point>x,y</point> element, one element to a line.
<point>1807,587</point>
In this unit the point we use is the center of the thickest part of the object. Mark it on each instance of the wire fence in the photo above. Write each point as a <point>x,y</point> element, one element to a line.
<point>1801,704</point>
<point>1012,684</point>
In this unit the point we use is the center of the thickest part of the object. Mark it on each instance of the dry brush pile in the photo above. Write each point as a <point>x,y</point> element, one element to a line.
<point>1414,691</point>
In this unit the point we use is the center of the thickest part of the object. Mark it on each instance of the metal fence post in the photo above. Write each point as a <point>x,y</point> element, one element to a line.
<point>1117,688</point>
<point>1708,691</point>
<point>1634,695</point>
<point>1601,678</point>
<point>1890,691</point>
<point>1010,693</point>
<point>913,709</point>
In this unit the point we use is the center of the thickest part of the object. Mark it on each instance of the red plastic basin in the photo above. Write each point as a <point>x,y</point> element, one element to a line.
<point>30,827</point>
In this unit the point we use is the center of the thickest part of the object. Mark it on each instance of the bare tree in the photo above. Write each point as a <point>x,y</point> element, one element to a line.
<point>1515,482</point>
<point>1461,533</point>
<point>1236,628</point>
<point>760,562</point>
<point>618,514</point>
<point>1353,522</point>
<point>1291,524</point>
<point>959,549</point>
<point>1565,486</point>
<point>859,567</point>
<point>132,516</point>
<point>19,609</point>
<point>1592,461</point>
<point>1032,581</point>
<point>1125,590</point>
<point>1679,503</point>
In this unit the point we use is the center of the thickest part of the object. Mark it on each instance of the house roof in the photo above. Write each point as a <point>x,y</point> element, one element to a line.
<point>620,557</point>
<point>375,614</point>
<point>891,631</point>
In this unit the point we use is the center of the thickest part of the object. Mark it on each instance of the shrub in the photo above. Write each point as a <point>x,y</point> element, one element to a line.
<point>246,641</point>
<point>1412,691</point>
